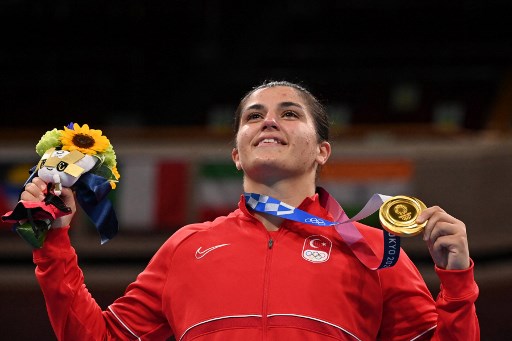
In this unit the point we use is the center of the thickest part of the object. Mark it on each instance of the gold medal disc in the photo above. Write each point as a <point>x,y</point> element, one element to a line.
<point>398,216</point>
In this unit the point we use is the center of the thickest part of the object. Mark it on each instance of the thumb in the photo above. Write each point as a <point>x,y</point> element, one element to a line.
<point>68,197</point>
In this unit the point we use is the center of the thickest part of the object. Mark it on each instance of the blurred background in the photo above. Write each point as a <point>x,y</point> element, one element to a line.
<point>419,94</point>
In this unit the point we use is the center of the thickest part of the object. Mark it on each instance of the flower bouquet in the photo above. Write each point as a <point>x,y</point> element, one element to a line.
<point>76,157</point>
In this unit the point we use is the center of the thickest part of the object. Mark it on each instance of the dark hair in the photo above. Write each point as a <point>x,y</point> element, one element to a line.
<point>317,110</point>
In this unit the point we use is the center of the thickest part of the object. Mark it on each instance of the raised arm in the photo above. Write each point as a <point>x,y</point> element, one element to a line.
<point>447,242</point>
<point>73,312</point>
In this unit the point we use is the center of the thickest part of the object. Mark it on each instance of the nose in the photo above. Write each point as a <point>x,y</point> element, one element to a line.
<point>270,122</point>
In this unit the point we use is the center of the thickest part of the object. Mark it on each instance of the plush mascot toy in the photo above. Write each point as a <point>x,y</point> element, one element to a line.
<point>79,158</point>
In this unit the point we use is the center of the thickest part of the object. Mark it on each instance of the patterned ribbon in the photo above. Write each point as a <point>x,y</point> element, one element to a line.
<point>343,224</point>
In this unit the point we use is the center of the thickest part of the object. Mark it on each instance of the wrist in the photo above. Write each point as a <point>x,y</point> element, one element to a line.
<point>457,284</point>
<point>62,222</point>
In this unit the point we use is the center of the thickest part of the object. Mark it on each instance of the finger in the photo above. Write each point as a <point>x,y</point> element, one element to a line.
<point>444,228</point>
<point>69,198</point>
<point>451,252</point>
<point>67,194</point>
<point>39,182</point>
<point>455,243</point>
<point>31,195</point>
<point>431,215</point>
<point>427,213</point>
<point>32,192</point>
<point>438,253</point>
<point>437,217</point>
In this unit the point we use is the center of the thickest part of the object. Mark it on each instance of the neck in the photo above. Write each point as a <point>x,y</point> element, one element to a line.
<point>290,191</point>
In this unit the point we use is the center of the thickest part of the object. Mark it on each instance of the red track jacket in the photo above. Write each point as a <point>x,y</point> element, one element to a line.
<point>231,279</point>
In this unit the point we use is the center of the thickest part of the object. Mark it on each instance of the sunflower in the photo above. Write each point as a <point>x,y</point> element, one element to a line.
<point>87,141</point>
<point>83,139</point>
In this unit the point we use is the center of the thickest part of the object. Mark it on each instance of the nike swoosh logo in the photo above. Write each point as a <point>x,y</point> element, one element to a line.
<point>200,254</point>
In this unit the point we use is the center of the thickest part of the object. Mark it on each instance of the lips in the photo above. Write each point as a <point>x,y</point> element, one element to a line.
<point>268,141</point>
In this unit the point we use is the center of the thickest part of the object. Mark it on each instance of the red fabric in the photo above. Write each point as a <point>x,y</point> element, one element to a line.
<point>39,209</point>
<point>221,281</point>
<point>172,195</point>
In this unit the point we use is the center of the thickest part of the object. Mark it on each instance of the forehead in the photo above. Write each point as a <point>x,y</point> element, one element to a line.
<point>275,95</point>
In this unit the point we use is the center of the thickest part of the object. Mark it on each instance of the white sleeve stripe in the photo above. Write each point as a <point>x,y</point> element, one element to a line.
<point>124,325</point>
<point>321,321</point>
<point>215,319</point>
<point>426,331</point>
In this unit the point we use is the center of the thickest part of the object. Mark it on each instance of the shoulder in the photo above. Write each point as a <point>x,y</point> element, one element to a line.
<point>201,229</point>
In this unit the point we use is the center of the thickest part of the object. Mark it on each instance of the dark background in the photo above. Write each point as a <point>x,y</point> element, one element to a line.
<point>147,63</point>
<point>185,65</point>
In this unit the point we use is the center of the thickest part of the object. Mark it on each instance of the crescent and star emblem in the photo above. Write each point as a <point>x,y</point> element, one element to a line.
<point>312,243</point>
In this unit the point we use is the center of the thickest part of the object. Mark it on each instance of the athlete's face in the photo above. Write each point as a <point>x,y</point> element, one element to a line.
<point>277,135</point>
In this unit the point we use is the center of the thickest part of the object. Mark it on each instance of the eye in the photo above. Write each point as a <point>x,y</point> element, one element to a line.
<point>252,116</point>
<point>290,114</point>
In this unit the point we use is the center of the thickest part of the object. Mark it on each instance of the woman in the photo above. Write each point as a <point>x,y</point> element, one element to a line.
<point>247,276</point>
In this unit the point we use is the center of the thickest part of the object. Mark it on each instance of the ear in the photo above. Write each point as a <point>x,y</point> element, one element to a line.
<point>324,151</point>
<point>236,158</point>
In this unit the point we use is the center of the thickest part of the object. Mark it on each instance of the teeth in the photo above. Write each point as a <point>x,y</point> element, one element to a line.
<point>270,141</point>
<point>273,141</point>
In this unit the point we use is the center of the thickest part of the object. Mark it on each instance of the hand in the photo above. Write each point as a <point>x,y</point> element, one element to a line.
<point>34,191</point>
<point>446,239</point>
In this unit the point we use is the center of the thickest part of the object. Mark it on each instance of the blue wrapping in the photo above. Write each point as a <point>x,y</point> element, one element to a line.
<point>92,191</point>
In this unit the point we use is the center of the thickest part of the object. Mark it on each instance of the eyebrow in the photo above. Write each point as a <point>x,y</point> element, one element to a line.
<point>282,105</point>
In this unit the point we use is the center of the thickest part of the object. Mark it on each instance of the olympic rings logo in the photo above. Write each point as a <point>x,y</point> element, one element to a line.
<point>315,221</point>
<point>315,254</point>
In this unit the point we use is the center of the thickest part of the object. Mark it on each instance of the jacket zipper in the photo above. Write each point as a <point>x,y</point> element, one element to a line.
<point>268,263</point>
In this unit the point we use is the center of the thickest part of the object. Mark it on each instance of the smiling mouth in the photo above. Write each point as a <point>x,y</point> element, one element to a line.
<point>270,142</point>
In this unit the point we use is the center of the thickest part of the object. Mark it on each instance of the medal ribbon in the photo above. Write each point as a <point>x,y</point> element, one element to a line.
<point>343,224</point>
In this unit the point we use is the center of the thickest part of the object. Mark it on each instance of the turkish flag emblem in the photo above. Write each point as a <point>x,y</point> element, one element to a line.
<point>317,249</point>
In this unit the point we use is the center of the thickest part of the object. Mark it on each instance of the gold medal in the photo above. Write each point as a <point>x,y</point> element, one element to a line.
<point>398,216</point>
